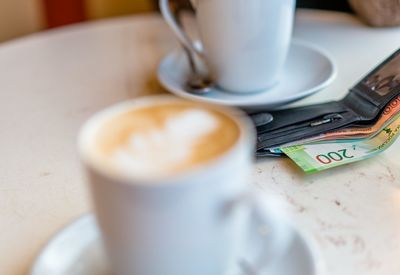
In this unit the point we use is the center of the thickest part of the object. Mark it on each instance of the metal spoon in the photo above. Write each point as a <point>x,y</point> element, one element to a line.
<point>196,82</point>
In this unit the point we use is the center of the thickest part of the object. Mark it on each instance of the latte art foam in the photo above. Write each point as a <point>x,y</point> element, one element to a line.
<point>161,149</point>
<point>164,139</point>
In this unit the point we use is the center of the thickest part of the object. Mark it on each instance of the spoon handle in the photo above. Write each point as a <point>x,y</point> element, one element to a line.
<point>176,27</point>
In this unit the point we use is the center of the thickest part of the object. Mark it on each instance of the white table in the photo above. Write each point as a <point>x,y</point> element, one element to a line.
<point>51,82</point>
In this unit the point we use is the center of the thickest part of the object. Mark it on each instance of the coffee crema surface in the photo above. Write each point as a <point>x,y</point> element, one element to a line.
<point>164,139</point>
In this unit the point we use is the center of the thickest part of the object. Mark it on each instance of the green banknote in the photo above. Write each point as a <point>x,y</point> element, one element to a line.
<point>315,157</point>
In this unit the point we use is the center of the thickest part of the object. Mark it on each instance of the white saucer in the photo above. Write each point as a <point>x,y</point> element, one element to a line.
<point>78,250</point>
<point>307,70</point>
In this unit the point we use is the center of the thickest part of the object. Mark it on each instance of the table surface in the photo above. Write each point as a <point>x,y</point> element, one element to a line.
<point>52,82</point>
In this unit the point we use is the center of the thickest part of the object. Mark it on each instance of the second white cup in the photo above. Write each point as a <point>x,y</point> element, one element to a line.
<point>243,42</point>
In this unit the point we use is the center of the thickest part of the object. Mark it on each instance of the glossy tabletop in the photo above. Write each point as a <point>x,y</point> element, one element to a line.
<point>51,82</point>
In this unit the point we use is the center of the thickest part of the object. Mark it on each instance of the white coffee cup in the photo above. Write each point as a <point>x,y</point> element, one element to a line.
<point>244,42</point>
<point>194,223</point>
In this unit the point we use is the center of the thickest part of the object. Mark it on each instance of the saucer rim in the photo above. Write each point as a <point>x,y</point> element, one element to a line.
<point>181,92</point>
<point>89,219</point>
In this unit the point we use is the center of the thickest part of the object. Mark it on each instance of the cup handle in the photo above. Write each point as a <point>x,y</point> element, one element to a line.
<point>176,28</point>
<point>268,214</point>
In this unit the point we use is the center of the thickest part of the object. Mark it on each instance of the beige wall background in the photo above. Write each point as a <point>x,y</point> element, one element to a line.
<point>106,8</point>
<point>21,17</point>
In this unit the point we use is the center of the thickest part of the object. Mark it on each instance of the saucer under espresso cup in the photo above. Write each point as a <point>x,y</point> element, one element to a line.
<point>78,249</point>
<point>307,70</point>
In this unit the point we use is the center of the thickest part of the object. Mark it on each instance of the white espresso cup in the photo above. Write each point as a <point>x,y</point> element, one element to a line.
<point>243,42</point>
<point>194,222</point>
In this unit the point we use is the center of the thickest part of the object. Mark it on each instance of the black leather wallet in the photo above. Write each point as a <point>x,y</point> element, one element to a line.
<point>362,106</point>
